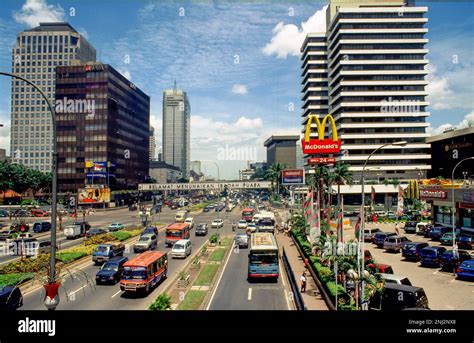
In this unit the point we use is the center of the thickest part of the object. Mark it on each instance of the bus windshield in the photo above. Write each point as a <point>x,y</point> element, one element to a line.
<point>247,213</point>
<point>266,222</point>
<point>264,258</point>
<point>173,233</point>
<point>138,273</point>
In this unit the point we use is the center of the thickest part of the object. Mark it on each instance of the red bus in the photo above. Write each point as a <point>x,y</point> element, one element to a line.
<point>247,214</point>
<point>143,272</point>
<point>175,232</point>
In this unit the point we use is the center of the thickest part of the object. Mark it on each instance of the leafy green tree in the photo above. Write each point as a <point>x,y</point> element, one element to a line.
<point>341,175</point>
<point>274,174</point>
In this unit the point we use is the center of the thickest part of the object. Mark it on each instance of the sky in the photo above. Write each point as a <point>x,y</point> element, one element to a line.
<point>238,61</point>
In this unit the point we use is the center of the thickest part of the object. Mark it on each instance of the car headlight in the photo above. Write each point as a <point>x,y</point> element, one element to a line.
<point>111,277</point>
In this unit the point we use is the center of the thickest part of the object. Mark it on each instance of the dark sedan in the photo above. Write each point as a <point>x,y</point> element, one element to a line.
<point>411,251</point>
<point>431,256</point>
<point>450,261</point>
<point>95,231</point>
<point>111,271</point>
<point>201,230</point>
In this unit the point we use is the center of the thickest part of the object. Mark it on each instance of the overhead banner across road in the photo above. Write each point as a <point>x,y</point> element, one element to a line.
<point>204,185</point>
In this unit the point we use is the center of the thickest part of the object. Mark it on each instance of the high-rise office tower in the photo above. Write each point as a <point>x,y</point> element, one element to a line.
<point>35,56</point>
<point>368,71</point>
<point>176,129</point>
<point>152,152</point>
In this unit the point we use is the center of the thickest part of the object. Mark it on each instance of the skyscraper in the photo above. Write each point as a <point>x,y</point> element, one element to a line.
<point>152,151</point>
<point>35,56</point>
<point>368,71</point>
<point>109,145</point>
<point>176,130</point>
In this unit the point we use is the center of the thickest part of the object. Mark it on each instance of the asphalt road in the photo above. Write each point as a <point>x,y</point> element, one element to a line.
<point>444,292</point>
<point>77,294</point>
<point>234,292</point>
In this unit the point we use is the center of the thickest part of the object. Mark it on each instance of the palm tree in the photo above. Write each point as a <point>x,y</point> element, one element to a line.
<point>341,175</point>
<point>274,174</point>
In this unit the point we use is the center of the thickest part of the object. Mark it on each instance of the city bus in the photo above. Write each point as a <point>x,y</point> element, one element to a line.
<point>263,256</point>
<point>143,272</point>
<point>175,232</point>
<point>247,214</point>
<point>265,221</point>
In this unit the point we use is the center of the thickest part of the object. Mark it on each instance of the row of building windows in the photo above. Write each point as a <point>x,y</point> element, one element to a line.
<point>17,59</point>
<point>401,14</point>
<point>384,130</point>
<point>381,26</point>
<point>27,39</point>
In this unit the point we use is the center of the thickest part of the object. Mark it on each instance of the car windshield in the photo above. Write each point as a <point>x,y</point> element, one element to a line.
<point>178,247</point>
<point>173,233</point>
<point>144,239</point>
<point>242,222</point>
<point>405,282</point>
<point>137,273</point>
<point>109,266</point>
<point>468,264</point>
<point>102,248</point>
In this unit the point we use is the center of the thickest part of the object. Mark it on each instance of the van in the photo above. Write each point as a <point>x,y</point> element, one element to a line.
<point>410,227</point>
<point>421,227</point>
<point>395,297</point>
<point>395,243</point>
<point>369,234</point>
<point>181,248</point>
<point>180,216</point>
<point>397,279</point>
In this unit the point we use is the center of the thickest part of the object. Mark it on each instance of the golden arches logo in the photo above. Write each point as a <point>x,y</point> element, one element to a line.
<point>321,127</point>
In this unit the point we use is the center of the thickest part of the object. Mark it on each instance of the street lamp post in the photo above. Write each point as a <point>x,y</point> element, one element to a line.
<point>52,263</point>
<point>218,192</point>
<point>361,260</point>
<point>453,210</point>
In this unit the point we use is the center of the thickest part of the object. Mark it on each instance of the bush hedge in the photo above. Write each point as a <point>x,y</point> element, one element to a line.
<point>14,279</point>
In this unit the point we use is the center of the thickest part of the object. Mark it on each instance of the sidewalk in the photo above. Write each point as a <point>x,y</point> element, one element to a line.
<point>312,298</point>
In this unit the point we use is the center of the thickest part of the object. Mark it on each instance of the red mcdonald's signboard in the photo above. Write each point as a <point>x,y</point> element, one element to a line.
<point>320,145</point>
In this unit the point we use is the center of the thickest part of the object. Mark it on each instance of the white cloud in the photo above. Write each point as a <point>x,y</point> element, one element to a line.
<point>440,94</point>
<point>35,11</point>
<point>5,135</point>
<point>239,89</point>
<point>468,121</point>
<point>288,38</point>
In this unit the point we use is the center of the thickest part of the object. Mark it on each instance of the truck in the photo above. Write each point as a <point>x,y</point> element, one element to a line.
<point>105,252</point>
<point>76,229</point>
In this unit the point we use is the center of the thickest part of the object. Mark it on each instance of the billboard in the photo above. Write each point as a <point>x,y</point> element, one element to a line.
<point>204,185</point>
<point>93,195</point>
<point>292,177</point>
<point>321,160</point>
<point>320,145</point>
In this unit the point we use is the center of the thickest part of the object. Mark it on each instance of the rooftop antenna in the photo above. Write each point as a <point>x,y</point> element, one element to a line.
<point>174,86</point>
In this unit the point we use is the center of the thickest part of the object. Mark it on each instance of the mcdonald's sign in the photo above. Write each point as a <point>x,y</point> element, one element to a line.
<point>313,146</point>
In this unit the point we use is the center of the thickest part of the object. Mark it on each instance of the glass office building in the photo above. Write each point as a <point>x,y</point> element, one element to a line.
<point>103,130</point>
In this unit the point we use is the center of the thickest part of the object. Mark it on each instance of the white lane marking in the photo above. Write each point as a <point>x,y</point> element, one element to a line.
<point>249,296</point>
<point>218,282</point>
<point>77,290</point>
<point>118,292</point>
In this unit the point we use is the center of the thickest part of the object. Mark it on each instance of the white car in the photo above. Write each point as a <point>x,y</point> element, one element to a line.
<point>190,221</point>
<point>242,224</point>
<point>115,227</point>
<point>181,248</point>
<point>252,227</point>
<point>217,223</point>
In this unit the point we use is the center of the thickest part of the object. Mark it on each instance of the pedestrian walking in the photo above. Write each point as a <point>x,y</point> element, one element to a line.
<point>303,282</point>
<point>397,229</point>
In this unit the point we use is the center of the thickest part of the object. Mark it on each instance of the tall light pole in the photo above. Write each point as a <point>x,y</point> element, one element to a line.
<point>361,260</point>
<point>453,209</point>
<point>218,192</point>
<point>52,262</point>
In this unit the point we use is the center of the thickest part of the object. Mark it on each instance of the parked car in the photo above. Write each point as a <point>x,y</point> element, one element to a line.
<point>430,256</point>
<point>41,227</point>
<point>466,270</point>
<point>201,230</point>
<point>145,242</point>
<point>111,271</point>
<point>466,242</point>
<point>95,231</point>
<point>411,250</point>
<point>150,230</point>
<point>181,248</point>
<point>410,227</point>
<point>427,231</point>
<point>10,298</point>
<point>395,297</point>
<point>115,226</point>
<point>421,227</point>
<point>206,209</point>
<point>379,238</point>
<point>104,252</point>
<point>370,233</point>
<point>438,231</point>
<point>447,238</point>
<point>190,221</point>
<point>241,240</point>
<point>450,261</point>
<point>397,279</point>
<point>395,243</point>
<point>217,223</point>
<point>242,224</point>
